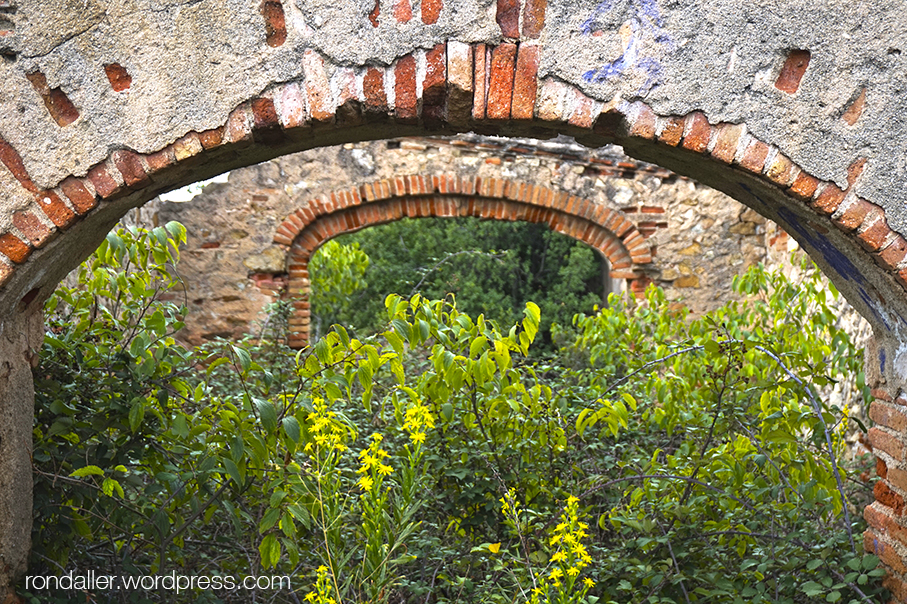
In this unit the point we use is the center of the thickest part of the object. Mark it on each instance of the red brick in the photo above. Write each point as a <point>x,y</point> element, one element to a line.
<point>58,104</point>
<point>275,22</point>
<point>727,141</point>
<point>644,124</point>
<point>792,72</point>
<point>431,10</point>
<point>888,497</point>
<point>317,87</point>
<point>119,78</point>
<point>881,467</point>
<point>872,237</point>
<point>6,271</point>
<point>897,588</point>
<point>264,114</point>
<point>211,138</point>
<point>881,394</point>
<point>103,182</point>
<point>804,186</point>
<point>13,161</point>
<point>525,82</point>
<point>753,159</point>
<point>855,109</point>
<point>130,166</point>
<point>698,132</point>
<point>782,170</point>
<point>239,126</point>
<point>672,131</point>
<point>434,86</point>
<point>500,86</point>
<point>54,208</point>
<point>897,477</point>
<point>534,18</point>
<point>159,160</point>
<point>886,552</point>
<point>828,200</point>
<point>406,104</point>
<point>32,227</point>
<point>508,18</point>
<point>373,89</point>
<point>886,442</point>
<point>480,80</point>
<point>583,111</point>
<point>887,415</point>
<point>82,200</point>
<point>854,214</point>
<point>376,12</point>
<point>14,248</point>
<point>854,170</point>
<point>894,254</point>
<point>403,11</point>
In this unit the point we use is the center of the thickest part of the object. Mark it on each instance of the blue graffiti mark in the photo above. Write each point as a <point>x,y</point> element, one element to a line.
<point>882,360</point>
<point>644,26</point>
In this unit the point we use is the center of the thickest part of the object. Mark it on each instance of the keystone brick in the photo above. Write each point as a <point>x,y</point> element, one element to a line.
<point>239,125</point>
<point>264,114</point>
<point>727,141</point>
<point>54,208</point>
<point>31,226</point>
<point>317,87</point>
<point>78,195</point>
<point>434,85</point>
<point>644,124</point>
<point>14,248</point>
<point>508,18</point>
<point>550,106</point>
<point>130,166</point>
<point>828,200</point>
<point>534,18</point>
<point>211,138</point>
<point>103,182</point>
<point>698,133</point>
<point>406,104</point>
<point>459,81</point>
<point>188,146</point>
<point>525,83</point>
<point>500,86</point>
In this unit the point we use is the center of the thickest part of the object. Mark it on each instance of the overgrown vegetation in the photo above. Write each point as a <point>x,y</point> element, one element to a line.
<point>654,459</point>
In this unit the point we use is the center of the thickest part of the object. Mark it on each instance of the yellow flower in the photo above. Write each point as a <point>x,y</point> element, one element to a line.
<point>572,571</point>
<point>589,582</point>
<point>559,556</point>
<point>384,470</point>
<point>366,482</point>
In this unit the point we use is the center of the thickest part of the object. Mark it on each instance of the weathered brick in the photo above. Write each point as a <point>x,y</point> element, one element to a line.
<point>130,166</point>
<point>583,115</point>
<point>239,125</point>
<point>500,86</point>
<point>828,200</point>
<point>753,159</point>
<point>211,138</point>
<point>317,87</point>
<point>6,271</point>
<point>375,14</point>
<point>508,17</point>
<point>14,248</point>
<point>525,83</point>
<point>698,132</point>
<point>55,100</point>
<point>434,86</point>
<point>186,147</point>
<point>82,200</point>
<point>460,89</point>
<point>643,125</point>
<point>727,141</point>
<point>792,71</point>
<point>103,182</point>
<point>782,170</point>
<point>881,467</point>
<point>873,236</point>
<point>32,227</point>
<point>406,106</point>
<point>373,90</point>
<point>853,214</point>
<point>264,114</point>
<point>431,10</point>
<point>893,254</point>
<point>855,109</point>
<point>672,131</point>
<point>54,208</point>
<point>897,477</point>
<point>118,77</point>
<point>480,79</point>
<point>13,161</point>
<point>887,415</point>
<point>887,497</point>
<point>403,11</point>
<point>897,587</point>
<point>888,443</point>
<point>534,18</point>
<point>275,22</point>
<point>804,186</point>
<point>550,106</point>
<point>290,102</point>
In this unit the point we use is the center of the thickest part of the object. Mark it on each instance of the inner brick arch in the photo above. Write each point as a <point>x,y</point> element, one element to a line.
<point>451,196</point>
<point>493,87</point>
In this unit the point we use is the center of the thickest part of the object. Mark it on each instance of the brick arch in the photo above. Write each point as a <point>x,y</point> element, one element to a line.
<point>52,220</point>
<point>450,195</point>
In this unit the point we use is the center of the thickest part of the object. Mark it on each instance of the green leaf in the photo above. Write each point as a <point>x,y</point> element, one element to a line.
<point>269,551</point>
<point>136,415</point>
<point>291,427</point>
<point>233,471</point>
<point>267,413</point>
<point>87,471</point>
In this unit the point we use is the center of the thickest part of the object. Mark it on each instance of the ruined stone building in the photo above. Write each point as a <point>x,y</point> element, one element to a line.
<point>794,109</point>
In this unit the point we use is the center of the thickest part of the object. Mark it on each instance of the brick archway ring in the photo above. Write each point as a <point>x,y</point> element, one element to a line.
<point>417,196</point>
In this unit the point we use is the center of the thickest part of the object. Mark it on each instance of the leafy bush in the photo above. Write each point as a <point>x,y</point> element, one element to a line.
<point>656,459</point>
